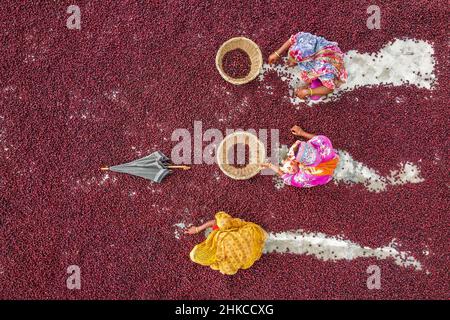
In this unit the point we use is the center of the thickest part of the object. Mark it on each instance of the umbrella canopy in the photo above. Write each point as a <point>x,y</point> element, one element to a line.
<point>155,167</point>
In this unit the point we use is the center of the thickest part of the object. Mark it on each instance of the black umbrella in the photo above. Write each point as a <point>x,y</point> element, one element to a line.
<point>155,167</point>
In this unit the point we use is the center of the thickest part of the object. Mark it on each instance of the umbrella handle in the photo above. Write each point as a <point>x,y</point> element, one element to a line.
<point>104,168</point>
<point>179,167</point>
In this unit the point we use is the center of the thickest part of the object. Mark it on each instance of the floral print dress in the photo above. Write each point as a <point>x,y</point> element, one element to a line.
<point>318,58</point>
<point>315,162</point>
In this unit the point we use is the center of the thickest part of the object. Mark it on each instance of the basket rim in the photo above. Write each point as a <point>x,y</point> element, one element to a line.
<point>248,78</point>
<point>219,154</point>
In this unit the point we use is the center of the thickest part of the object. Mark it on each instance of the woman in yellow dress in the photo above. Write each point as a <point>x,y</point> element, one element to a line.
<point>232,245</point>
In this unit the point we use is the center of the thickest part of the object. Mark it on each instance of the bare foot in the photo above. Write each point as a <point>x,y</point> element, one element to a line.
<point>303,85</point>
<point>302,93</point>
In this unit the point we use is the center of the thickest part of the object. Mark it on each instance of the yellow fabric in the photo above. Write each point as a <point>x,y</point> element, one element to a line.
<point>236,245</point>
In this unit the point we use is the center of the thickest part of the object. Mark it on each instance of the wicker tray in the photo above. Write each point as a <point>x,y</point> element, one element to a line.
<point>253,52</point>
<point>256,157</point>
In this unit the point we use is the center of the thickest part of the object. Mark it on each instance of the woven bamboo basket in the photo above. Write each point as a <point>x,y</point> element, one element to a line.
<point>256,157</point>
<point>253,52</point>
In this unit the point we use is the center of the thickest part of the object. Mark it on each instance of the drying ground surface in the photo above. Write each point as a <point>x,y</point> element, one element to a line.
<point>74,100</point>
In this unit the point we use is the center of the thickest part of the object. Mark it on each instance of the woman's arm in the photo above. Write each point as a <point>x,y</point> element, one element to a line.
<point>284,47</point>
<point>297,131</point>
<point>270,166</point>
<point>278,53</point>
<point>194,229</point>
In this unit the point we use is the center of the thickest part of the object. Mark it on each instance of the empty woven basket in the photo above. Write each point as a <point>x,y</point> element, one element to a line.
<point>253,52</point>
<point>256,157</point>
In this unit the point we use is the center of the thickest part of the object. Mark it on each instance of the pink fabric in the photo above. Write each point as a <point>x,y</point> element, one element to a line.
<point>310,154</point>
<point>315,84</point>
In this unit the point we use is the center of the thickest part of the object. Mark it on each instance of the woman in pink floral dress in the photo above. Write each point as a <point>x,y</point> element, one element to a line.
<point>308,164</point>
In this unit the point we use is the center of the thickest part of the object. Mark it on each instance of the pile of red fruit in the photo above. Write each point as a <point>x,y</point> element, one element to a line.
<point>75,100</point>
<point>236,63</point>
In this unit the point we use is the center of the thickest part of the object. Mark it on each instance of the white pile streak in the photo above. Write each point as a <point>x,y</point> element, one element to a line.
<point>409,173</point>
<point>401,62</point>
<point>350,171</point>
<point>179,229</point>
<point>326,248</point>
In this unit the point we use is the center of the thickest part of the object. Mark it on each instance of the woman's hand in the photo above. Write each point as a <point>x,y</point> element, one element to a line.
<point>268,166</point>
<point>302,93</point>
<point>273,58</point>
<point>272,167</point>
<point>192,230</point>
<point>291,62</point>
<point>297,131</point>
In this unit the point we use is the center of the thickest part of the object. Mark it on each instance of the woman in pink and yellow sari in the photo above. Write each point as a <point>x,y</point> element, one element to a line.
<point>308,164</point>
